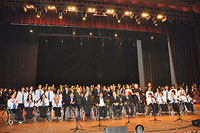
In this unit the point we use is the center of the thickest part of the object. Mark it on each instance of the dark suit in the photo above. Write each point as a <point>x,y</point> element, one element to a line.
<point>114,107</point>
<point>87,105</point>
<point>66,99</point>
<point>101,108</point>
<point>127,102</point>
<point>96,92</point>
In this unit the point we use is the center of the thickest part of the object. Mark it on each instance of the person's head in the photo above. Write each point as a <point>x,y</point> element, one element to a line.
<point>78,89</point>
<point>149,95</point>
<point>23,89</point>
<point>27,89</point>
<point>98,86</point>
<point>100,94</point>
<point>71,95</point>
<point>29,97</point>
<point>184,93</point>
<point>56,97</point>
<point>10,90</point>
<point>13,96</point>
<point>160,94</point>
<point>104,88</point>
<point>87,88</point>
<point>31,88</point>
<point>66,88</point>
<point>172,93</point>
<point>39,86</point>
<point>136,86</point>
<point>43,96</point>
<point>1,89</point>
<point>149,85</point>
<point>181,88</point>
<point>166,87</point>
<point>126,93</point>
<point>114,94</point>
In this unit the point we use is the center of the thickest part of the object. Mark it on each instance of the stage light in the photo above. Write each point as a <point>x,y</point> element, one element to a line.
<point>31,30</point>
<point>90,33</point>
<point>102,44</point>
<point>91,10</point>
<point>115,35</point>
<point>84,15</point>
<point>62,41</point>
<point>110,11</point>
<point>60,15</point>
<point>46,41</point>
<point>160,16</point>
<point>128,13</point>
<point>30,6</point>
<point>71,8</point>
<point>74,33</point>
<point>164,19</point>
<point>39,14</point>
<point>118,21</point>
<point>145,15</point>
<point>119,17</point>
<point>155,22</point>
<point>152,37</point>
<point>51,7</point>
<point>120,43</point>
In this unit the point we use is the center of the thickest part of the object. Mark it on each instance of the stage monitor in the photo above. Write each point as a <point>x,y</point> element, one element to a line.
<point>122,129</point>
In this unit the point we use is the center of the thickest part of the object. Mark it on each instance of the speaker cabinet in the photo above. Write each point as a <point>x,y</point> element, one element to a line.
<point>122,129</point>
<point>196,123</point>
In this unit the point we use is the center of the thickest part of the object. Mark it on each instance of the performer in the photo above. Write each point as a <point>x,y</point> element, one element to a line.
<point>21,100</point>
<point>57,105</point>
<point>38,93</point>
<point>66,98</point>
<point>78,98</point>
<point>166,94</point>
<point>13,106</point>
<point>151,103</point>
<point>116,104</point>
<point>188,102</point>
<point>29,104</point>
<point>97,90</point>
<point>180,92</point>
<point>87,104</point>
<point>43,104</point>
<point>101,104</point>
<point>127,102</point>
<point>173,101</point>
<point>161,100</point>
<point>50,96</point>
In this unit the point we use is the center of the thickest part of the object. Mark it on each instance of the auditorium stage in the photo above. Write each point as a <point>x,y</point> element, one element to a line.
<point>166,125</point>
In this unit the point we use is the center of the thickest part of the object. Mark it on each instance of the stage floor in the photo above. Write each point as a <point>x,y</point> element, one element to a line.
<point>166,125</point>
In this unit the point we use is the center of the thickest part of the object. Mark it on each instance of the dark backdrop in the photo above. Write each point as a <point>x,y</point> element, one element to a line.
<point>91,63</point>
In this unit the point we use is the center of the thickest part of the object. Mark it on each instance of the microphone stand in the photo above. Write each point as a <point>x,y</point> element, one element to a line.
<point>154,113</point>
<point>179,114</point>
<point>99,121</point>
<point>129,122</point>
<point>77,123</point>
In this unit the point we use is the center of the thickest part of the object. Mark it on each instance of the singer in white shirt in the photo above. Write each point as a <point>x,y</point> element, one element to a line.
<point>29,104</point>
<point>57,105</point>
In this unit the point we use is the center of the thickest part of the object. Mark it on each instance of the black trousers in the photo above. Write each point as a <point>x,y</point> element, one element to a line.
<point>87,109</point>
<point>117,108</point>
<point>29,113</point>
<point>189,106</point>
<point>17,114</point>
<point>57,111</point>
<point>164,107</point>
<point>102,111</point>
<point>127,109</point>
<point>50,105</point>
<point>21,109</point>
<point>43,111</point>
<point>175,107</point>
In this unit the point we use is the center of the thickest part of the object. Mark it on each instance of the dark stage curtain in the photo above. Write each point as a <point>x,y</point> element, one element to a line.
<point>185,46</point>
<point>18,50</point>
<point>156,60</point>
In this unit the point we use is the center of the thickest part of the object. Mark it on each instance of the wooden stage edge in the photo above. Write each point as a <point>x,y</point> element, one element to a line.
<point>166,125</point>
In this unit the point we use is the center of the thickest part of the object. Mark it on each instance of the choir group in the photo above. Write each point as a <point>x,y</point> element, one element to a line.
<point>97,102</point>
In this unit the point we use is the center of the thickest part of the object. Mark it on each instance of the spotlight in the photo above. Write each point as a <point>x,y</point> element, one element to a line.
<point>152,37</point>
<point>160,16</point>
<point>91,10</point>
<point>51,7</point>
<point>71,8</point>
<point>90,33</point>
<point>84,15</point>
<point>119,17</point>
<point>60,15</point>
<point>128,13</point>
<point>74,33</point>
<point>164,19</point>
<point>30,6</point>
<point>155,22</point>
<point>39,14</point>
<point>25,9</point>
<point>145,14</point>
<point>110,11</point>
<point>102,44</point>
<point>62,41</point>
<point>31,31</point>
<point>118,21</point>
<point>115,35</point>
<point>46,41</point>
<point>120,43</point>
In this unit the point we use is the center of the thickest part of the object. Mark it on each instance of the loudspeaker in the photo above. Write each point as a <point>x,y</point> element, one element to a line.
<point>122,129</point>
<point>196,123</point>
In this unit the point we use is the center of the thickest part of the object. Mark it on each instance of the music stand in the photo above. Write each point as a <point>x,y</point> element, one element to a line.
<point>154,113</point>
<point>99,121</point>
